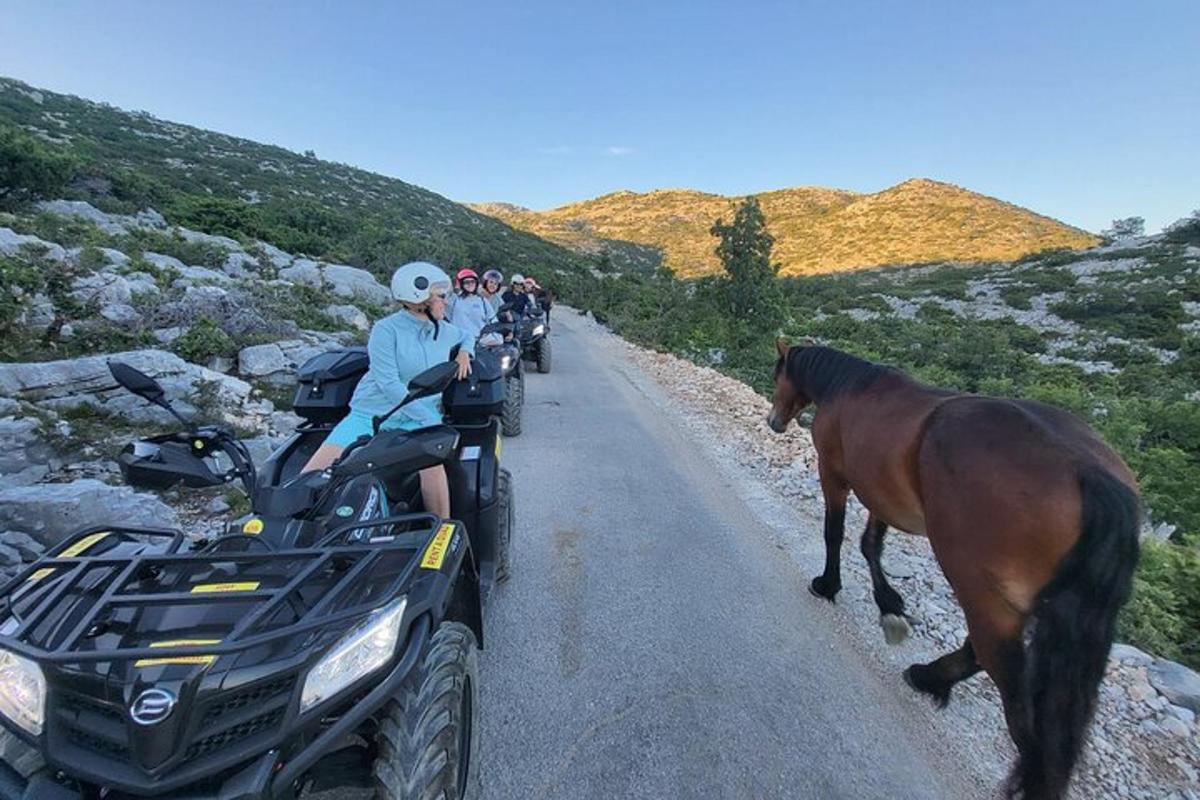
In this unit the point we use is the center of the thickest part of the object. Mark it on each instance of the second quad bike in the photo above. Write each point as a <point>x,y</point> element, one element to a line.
<point>328,639</point>
<point>534,333</point>
<point>496,343</point>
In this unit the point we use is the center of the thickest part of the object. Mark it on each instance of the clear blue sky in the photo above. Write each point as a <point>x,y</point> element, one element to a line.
<point>1081,110</point>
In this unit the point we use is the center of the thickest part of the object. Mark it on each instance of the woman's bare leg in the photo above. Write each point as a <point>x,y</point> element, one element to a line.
<point>325,455</point>
<point>435,490</point>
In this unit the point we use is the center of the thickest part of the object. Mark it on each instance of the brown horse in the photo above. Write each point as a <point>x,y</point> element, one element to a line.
<point>1032,517</point>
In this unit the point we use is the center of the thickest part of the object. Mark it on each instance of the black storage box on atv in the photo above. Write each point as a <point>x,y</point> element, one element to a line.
<point>481,394</point>
<point>326,382</point>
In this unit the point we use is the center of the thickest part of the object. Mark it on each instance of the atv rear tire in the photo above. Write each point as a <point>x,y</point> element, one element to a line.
<point>543,356</point>
<point>428,737</point>
<point>21,757</point>
<point>504,524</point>
<point>514,398</point>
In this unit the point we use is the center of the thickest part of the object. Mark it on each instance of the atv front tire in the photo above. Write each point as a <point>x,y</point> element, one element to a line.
<point>428,737</point>
<point>514,398</point>
<point>543,356</point>
<point>504,523</point>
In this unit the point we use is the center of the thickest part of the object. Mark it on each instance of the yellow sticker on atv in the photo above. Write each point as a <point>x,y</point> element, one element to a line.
<point>498,447</point>
<point>435,553</point>
<point>41,573</point>
<point>157,662</point>
<point>212,588</point>
<point>253,526</point>
<point>82,545</point>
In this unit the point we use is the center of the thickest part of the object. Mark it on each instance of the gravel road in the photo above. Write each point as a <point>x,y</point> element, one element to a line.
<point>655,640</point>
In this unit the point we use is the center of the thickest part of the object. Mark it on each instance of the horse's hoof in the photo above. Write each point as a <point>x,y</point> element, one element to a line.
<point>895,629</point>
<point>817,588</point>
<point>940,696</point>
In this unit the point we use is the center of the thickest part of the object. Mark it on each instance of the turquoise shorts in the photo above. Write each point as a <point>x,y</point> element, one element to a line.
<point>357,423</point>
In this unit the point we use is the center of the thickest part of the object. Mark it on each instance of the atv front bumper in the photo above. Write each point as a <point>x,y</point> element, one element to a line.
<point>264,778</point>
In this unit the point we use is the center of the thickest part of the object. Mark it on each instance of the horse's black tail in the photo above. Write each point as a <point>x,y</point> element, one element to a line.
<point>1069,634</point>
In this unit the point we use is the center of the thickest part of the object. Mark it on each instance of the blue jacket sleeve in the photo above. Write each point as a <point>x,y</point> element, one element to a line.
<point>467,341</point>
<point>381,350</point>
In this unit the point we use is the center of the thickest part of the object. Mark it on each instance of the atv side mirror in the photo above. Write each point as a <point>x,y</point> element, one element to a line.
<point>137,382</point>
<point>433,380</point>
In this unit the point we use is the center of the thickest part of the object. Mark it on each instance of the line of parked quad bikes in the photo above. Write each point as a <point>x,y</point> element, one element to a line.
<point>326,640</point>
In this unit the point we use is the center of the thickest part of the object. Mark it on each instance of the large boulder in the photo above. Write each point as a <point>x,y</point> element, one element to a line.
<point>1177,683</point>
<point>303,271</point>
<point>194,276</point>
<point>25,457</point>
<point>84,211</point>
<point>49,512</point>
<point>86,382</point>
<point>240,265</point>
<point>103,288</point>
<point>13,243</point>
<point>350,316</point>
<point>223,242</point>
<point>277,362</point>
<point>164,262</point>
<point>278,258</point>
<point>352,282</point>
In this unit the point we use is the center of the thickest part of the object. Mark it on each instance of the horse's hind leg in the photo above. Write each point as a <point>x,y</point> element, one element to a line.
<point>829,583</point>
<point>891,604</point>
<point>937,678</point>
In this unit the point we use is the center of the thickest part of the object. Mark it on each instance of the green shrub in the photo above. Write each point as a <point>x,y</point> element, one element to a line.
<point>29,167</point>
<point>1163,616</point>
<point>203,341</point>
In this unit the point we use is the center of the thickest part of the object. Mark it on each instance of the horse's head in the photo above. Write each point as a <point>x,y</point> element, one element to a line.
<point>788,400</point>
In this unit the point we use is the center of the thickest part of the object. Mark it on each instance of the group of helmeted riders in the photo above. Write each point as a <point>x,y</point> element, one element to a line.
<point>436,316</point>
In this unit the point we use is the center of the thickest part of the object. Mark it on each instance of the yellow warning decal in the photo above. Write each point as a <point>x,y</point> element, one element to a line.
<point>498,446</point>
<point>435,553</point>
<point>253,526</point>
<point>201,659</point>
<point>82,545</point>
<point>41,573</point>
<point>212,588</point>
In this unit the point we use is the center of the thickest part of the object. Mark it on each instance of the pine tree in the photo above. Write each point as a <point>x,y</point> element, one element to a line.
<point>745,252</point>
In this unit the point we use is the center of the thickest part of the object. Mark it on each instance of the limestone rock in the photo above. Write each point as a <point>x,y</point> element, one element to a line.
<point>13,243</point>
<point>50,511</point>
<point>1178,684</point>
<point>351,316</point>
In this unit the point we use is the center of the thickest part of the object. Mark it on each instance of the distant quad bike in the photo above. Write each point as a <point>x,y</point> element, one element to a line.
<point>328,639</point>
<point>506,356</point>
<point>534,334</point>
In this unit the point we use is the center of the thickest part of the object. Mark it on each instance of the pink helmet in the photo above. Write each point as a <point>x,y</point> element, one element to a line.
<point>466,272</point>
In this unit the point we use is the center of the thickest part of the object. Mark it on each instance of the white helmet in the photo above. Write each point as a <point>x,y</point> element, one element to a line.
<point>518,278</point>
<point>413,282</point>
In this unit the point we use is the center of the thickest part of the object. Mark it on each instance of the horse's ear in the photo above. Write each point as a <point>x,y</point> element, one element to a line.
<point>782,347</point>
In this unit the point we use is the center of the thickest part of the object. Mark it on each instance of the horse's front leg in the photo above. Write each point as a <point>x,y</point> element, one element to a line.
<point>829,583</point>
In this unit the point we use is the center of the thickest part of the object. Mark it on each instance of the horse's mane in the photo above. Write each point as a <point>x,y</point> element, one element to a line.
<point>824,373</point>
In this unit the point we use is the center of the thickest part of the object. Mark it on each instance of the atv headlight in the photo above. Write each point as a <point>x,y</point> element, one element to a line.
<point>538,330</point>
<point>367,647</point>
<point>22,692</point>
<point>505,362</point>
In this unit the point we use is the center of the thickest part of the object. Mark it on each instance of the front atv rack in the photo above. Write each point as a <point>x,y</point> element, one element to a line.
<point>60,609</point>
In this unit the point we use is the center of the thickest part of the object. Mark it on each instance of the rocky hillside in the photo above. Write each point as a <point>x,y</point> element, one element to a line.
<point>222,324</point>
<point>124,162</point>
<point>816,230</point>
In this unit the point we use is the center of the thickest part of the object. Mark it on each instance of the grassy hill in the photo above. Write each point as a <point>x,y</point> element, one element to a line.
<point>124,161</point>
<point>816,230</point>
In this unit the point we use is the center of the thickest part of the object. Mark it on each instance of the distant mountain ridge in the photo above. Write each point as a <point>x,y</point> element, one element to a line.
<point>816,229</point>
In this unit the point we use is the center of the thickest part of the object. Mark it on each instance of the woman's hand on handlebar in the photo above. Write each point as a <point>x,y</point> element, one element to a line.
<point>463,359</point>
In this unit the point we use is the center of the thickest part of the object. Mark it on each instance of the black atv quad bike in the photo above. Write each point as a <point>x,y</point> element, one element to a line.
<point>534,333</point>
<point>507,354</point>
<point>313,646</point>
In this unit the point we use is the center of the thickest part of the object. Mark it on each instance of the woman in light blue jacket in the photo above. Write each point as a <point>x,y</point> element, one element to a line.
<point>467,308</point>
<point>400,347</point>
